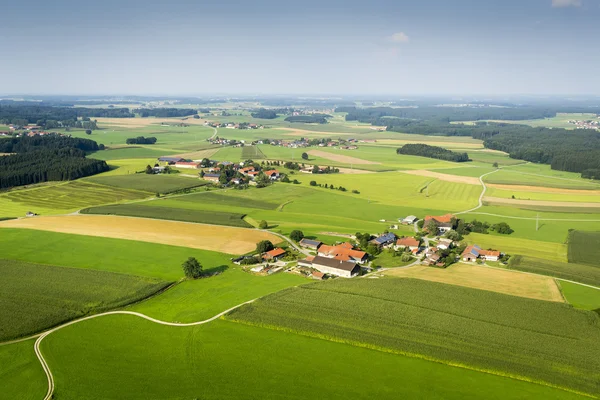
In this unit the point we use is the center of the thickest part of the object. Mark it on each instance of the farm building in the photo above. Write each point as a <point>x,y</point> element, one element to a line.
<point>310,244</point>
<point>332,266</point>
<point>473,252</point>
<point>212,177</point>
<point>409,242</point>
<point>443,222</point>
<point>383,240</point>
<point>445,244</point>
<point>318,275</point>
<point>342,252</point>
<point>411,219</point>
<point>273,174</point>
<point>274,254</point>
<point>171,160</point>
<point>186,164</point>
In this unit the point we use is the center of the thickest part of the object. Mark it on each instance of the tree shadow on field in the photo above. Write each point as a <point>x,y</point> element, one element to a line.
<point>215,271</point>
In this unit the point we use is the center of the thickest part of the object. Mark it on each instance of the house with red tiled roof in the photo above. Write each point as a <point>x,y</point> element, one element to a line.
<point>343,253</point>
<point>186,164</point>
<point>273,174</point>
<point>443,222</point>
<point>473,252</point>
<point>274,254</point>
<point>409,242</point>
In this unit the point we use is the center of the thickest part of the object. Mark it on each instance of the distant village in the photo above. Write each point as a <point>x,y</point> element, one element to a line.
<point>587,124</point>
<point>342,144</point>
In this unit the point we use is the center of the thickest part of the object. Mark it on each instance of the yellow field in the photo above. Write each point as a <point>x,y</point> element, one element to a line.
<point>445,177</point>
<point>340,158</point>
<point>223,239</point>
<point>541,189</point>
<point>485,278</point>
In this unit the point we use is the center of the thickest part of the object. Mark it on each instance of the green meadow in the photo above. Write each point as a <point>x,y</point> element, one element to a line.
<point>130,257</point>
<point>21,374</point>
<point>159,183</point>
<point>580,296</point>
<point>164,362</point>
<point>36,297</point>
<point>584,247</point>
<point>587,274</point>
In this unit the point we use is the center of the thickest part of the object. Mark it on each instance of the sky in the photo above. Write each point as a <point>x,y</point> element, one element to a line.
<point>374,47</point>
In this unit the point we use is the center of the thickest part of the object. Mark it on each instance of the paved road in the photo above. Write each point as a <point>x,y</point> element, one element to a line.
<point>46,368</point>
<point>482,193</point>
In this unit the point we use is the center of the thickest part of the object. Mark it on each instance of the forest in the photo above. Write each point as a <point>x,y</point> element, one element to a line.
<point>438,153</point>
<point>264,113</point>
<point>141,140</point>
<point>165,112</point>
<point>46,158</point>
<point>61,116</point>
<point>309,119</point>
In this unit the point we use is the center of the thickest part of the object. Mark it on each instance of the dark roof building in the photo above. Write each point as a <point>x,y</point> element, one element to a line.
<point>311,244</point>
<point>332,266</point>
<point>384,239</point>
<point>171,159</point>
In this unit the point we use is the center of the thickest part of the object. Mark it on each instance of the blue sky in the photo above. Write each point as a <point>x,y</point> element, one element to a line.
<point>397,47</point>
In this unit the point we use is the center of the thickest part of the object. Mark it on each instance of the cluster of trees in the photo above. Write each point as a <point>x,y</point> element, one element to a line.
<point>464,228</point>
<point>439,153</point>
<point>263,113</point>
<point>309,119</point>
<point>47,165</point>
<point>37,142</point>
<point>331,186</point>
<point>165,112</point>
<point>54,117</point>
<point>263,246</point>
<point>363,240</point>
<point>327,170</point>
<point>297,235</point>
<point>141,140</point>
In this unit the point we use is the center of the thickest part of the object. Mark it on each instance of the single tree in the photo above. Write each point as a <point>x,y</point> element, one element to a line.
<point>297,235</point>
<point>149,169</point>
<point>192,268</point>
<point>263,224</point>
<point>313,183</point>
<point>315,169</point>
<point>431,227</point>
<point>202,174</point>
<point>304,156</point>
<point>264,246</point>
<point>88,131</point>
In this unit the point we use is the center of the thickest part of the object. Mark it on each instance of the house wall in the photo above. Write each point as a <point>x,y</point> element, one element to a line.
<point>332,271</point>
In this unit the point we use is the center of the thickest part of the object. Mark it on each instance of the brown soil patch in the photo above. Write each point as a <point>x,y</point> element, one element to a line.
<point>444,177</point>
<point>485,278</point>
<point>223,239</point>
<point>540,189</point>
<point>543,203</point>
<point>340,158</point>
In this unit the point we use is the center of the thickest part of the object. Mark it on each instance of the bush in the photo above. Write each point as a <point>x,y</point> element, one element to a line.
<point>297,235</point>
<point>192,268</point>
<point>502,228</point>
<point>263,224</point>
<point>313,183</point>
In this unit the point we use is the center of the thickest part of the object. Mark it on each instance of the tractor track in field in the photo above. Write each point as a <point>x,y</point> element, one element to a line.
<point>46,367</point>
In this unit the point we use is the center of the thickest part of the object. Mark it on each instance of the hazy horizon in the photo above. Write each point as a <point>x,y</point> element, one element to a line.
<point>333,48</point>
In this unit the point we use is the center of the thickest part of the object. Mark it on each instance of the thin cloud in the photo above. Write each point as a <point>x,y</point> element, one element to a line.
<point>566,3</point>
<point>400,37</point>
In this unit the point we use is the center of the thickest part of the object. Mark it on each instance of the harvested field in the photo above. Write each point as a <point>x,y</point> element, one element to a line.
<point>354,171</point>
<point>223,239</point>
<point>198,155</point>
<point>301,132</point>
<point>340,158</point>
<point>445,177</point>
<point>484,278</point>
<point>542,203</point>
<point>541,189</point>
<point>143,122</point>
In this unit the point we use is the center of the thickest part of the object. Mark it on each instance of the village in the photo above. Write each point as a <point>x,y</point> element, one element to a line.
<point>342,144</point>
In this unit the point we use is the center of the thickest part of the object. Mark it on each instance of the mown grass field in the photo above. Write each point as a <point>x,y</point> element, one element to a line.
<point>192,301</point>
<point>520,175</point>
<point>164,362</point>
<point>118,153</point>
<point>63,197</point>
<point>36,297</point>
<point>591,197</point>
<point>170,213</point>
<point>159,183</point>
<point>583,297</point>
<point>507,335</point>
<point>21,374</point>
<point>587,274</point>
<point>252,153</point>
<point>131,257</point>
<point>224,200</point>
<point>584,247</point>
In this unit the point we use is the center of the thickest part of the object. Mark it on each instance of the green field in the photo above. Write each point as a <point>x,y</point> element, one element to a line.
<point>579,296</point>
<point>164,362</point>
<point>222,199</point>
<point>104,254</point>
<point>252,153</point>
<point>170,213</point>
<point>506,335</point>
<point>192,301</point>
<point>36,297</point>
<point>127,152</point>
<point>574,272</point>
<point>520,176</point>
<point>584,247</point>
<point>21,374</point>
<point>159,183</point>
<point>47,199</point>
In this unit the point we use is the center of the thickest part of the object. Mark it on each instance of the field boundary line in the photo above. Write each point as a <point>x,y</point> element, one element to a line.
<point>41,337</point>
<point>482,192</point>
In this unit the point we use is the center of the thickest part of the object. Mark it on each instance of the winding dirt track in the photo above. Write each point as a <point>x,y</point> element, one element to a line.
<point>46,368</point>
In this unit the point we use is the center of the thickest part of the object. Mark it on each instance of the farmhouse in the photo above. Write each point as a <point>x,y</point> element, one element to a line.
<point>318,275</point>
<point>445,244</point>
<point>335,267</point>
<point>185,164</point>
<point>473,252</point>
<point>343,252</point>
<point>273,174</point>
<point>409,242</point>
<point>274,254</point>
<point>212,177</point>
<point>171,160</point>
<point>384,240</point>
<point>443,222</point>
<point>310,244</point>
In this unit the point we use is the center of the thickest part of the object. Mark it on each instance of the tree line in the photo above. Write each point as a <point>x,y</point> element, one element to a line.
<point>438,153</point>
<point>46,158</point>
<point>309,119</point>
<point>141,140</point>
<point>62,116</point>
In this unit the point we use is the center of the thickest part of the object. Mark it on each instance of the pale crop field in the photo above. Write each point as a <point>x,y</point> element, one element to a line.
<point>198,236</point>
<point>340,158</point>
<point>445,177</point>
<point>485,278</point>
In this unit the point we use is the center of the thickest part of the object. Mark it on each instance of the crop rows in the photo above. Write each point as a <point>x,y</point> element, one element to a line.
<point>36,297</point>
<point>574,272</point>
<point>149,183</point>
<point>584,247</point>
<point>536,340</point>
<point>227,200</point>
<point>252,153</point>
<point>173,214</point>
